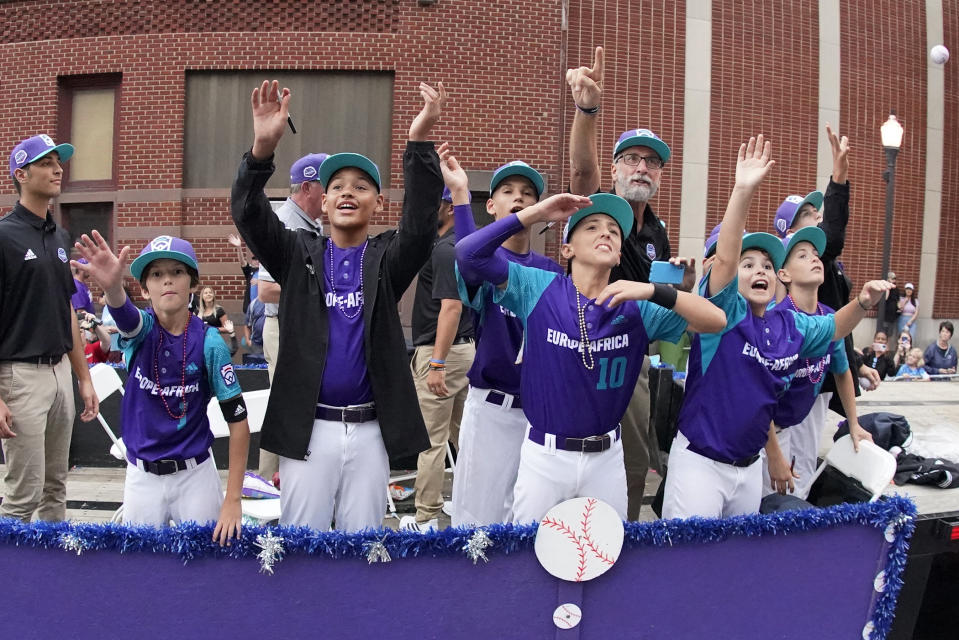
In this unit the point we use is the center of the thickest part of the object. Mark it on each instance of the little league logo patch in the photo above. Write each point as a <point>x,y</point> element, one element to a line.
<point>161,243</point>
<point>228,375</point>
<point>62,254</point>
<point>309,172</point>
<point>794,199</point>
<point>781,225</point>
<point>20,157</point>
<point>650,251</point>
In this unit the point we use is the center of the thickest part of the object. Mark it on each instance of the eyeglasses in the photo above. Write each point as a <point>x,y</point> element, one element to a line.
<point>633,159</point>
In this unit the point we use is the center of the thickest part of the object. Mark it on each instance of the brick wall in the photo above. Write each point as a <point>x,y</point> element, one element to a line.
<point>947,284</point>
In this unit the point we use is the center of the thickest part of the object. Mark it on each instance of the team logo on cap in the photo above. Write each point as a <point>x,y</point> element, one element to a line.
<point>20,156</point>
<point>62,254</point>
<point>309,172</point>
<point>161,243</point>
<point>47,140</point>
<point>645,133</point>
<point>781,225</point>
<point>650,251</point>
<point>794,199</point>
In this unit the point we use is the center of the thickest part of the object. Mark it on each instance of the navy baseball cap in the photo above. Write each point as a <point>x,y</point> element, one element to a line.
<point>448,196</point>
<point>518,168</point>
<point>612,205</point>
<point>307,168</point>
<point>813,235</point>
<point>642,138</point>
<point>164,247</point>
<point>787,211</point>
<point>769,243</point>
<point>32,149</point>
<point>338,161</point>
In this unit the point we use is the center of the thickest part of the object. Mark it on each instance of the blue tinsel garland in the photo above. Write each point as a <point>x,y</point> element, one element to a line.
<point>190,541</point>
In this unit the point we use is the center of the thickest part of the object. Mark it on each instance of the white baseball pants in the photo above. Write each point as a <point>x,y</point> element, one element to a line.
<point>801,440</point>
<point>344,478</point>
<point>491,436</point>
<point>548,476</point>
<point>699,486</point>
<point>189,495</point>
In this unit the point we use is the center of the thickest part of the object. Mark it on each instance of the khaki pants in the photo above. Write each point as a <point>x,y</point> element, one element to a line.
<point>40,397</point>
<point>269,461</point>
<point>640,446</point>
<point>442,417</point>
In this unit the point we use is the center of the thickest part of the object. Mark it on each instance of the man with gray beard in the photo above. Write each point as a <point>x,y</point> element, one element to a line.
<point>636,170</point>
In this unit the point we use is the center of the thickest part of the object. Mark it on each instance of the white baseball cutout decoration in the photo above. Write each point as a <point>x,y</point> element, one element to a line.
<point>567,616</point>
<point>579,539</point>
<point>939,54</point>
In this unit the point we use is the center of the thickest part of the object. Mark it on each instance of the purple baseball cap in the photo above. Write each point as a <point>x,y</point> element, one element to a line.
<point>642,138</point>
<point>711,241</point>
<point>518,168</point>
<point>448,195</point>
<point>787,211</point>
<point>164,247</point>
<point>32,149</point>
<point>307,168</point>
<point>813,235</point>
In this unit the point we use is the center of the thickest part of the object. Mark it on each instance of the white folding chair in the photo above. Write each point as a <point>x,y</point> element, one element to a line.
<point>106,380</point>
<point>391,505</point>
<point>872,466</point>
<point>260,510</point>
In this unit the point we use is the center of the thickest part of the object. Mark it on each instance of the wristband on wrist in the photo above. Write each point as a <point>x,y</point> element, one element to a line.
<point>437,367</point>
<point>435,361</point>
<point>664,295</point>
<point>590,111</point>
<point>861,305</point>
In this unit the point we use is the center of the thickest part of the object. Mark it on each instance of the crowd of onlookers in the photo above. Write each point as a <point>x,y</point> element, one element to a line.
<point>904,361</point>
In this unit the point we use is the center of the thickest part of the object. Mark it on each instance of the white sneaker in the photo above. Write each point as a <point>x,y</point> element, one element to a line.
<point>448,508</point>
<point>409,523</point>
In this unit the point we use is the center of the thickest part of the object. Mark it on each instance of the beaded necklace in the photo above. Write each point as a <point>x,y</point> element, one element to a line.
<point>583,336</point>
<point>333,284</point>
<point>819,311</point>
<point>156,370</point>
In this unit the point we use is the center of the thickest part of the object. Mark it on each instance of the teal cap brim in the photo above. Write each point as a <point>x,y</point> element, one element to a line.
<point>64,151</point>
<point>769,243</point>
<point>612,205</point>
<point>527,172</point>
<point>813,235</point>
<point>138,265</point>
<point>343,160</point>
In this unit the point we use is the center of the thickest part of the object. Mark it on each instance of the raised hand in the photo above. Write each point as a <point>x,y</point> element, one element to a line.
<point>453,174</point>
<point>840,156</point>
<point>271,108</point>
<point>433,102</point>
<point>554,208</point>
<point>623,290</point>
<point>689,275</point>
<point>753,163</point>
<point>586,83</point>
<point>873,291</point>
<point>234,239</point>
<point>103,266</point>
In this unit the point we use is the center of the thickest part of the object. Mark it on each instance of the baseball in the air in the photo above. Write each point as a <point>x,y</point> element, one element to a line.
<point>939,54</point>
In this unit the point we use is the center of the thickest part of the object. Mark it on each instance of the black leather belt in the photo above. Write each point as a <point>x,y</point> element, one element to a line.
<point>499,399</point>
<point>592,444</point>
<point>743,462</point>
<point>38,360</point>
<point>462,340</point>
<point>168,466</point>
<point>345,414</point>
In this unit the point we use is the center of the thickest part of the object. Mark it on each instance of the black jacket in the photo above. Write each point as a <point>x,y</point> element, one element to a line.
<point>645,243</point>
<point>296,261</point>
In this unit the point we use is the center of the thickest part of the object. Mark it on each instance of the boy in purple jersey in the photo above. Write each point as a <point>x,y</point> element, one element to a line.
<point>789,459</point>
<point>175,364</point>
<point>736,375</point>
<point>582,356</point>
<point>493,425</point>
<point>342,404</point>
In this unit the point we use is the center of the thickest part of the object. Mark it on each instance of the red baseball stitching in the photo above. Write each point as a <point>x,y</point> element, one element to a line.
<point>579,541</point>
<point>587,535</point>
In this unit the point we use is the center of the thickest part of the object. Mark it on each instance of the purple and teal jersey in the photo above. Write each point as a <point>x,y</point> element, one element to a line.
<point>165,402</point>
<point>736,377</point>
<point>499,333</point>
<point>806,383</point>
<point>560,395</point>
<point>346,380</point>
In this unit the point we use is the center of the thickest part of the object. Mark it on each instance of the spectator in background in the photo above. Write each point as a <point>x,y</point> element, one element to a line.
<point>877,356</point>
<point>253,329</point>
<point>908,311</point>
<point>215,316</point>
<point>96,338</point>
<point>902,349</point>
<point>82,299</point>
<point>941,356</point>
<point>890,319</point>
<point>912,368</point>
<point>249,269</point>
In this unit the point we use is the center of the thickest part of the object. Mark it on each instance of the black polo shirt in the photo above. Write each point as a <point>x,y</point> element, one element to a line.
<point>646,242</point>
<point>437,282</point>
<point>35,287</point>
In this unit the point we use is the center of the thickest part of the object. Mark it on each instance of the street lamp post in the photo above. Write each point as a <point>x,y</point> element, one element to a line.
<point>891,133</point>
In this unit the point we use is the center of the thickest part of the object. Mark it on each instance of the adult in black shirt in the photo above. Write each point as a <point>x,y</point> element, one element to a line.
<point>443,337</point>
<point>39,340</point>
<point>890,321</point>
<point>637,168</point>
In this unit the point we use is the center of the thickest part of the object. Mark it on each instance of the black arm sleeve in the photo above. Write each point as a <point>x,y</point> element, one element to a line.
<point>234,409</point>
<point>835,217</point>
